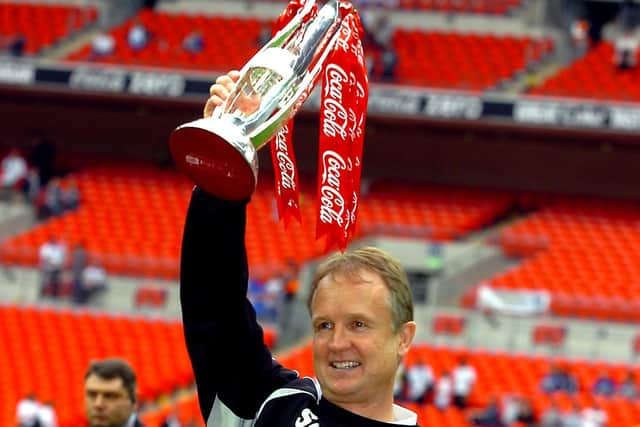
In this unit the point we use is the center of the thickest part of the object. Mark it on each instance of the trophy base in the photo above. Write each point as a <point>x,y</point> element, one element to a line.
<point>221,168</point>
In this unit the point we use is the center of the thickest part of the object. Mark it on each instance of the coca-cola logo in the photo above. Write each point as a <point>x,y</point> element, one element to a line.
<point>335,119</point>
<point>285,163</point>
<point>334,115</point>
<point>332,204</point>
<point>287,171</point>
<point>344,38</point>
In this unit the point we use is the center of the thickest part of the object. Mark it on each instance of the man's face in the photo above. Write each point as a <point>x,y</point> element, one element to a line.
<point>107,402</point>
<point>356,352</point>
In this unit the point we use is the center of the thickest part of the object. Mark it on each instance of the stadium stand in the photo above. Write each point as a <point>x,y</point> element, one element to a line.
<point>447,60</point>
<point>594,76</point>
<point>46,352</point>
<point>474,62</point>
<point>502,374</point>
<point>42,25</point>
<point>582,252</point>
<point>499,7</point>
<point>236,40</point>
<point>119,221</point>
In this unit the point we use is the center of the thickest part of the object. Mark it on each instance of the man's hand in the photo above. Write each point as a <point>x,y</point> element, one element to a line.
<point>220,90</point>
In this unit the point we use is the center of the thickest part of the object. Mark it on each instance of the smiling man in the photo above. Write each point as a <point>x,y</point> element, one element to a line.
<point>110,394</point>
<point>362,315</point>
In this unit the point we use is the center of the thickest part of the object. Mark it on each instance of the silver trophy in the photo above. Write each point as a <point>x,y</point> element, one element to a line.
<point>219,153</point>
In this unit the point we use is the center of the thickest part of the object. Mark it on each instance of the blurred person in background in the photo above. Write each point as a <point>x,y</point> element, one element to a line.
<point>489,416</point>
<point>102,45</point>
<point>47,415</point>
<point>573,417</point>
<point>603,385</point>
<point>94,281</point>
<point>464,377</point>
<point>628,387</point>
<point>193,42</point>
<point>551,416</point>
<point>420,381</point>
<point>53,255</point>
<point>52,204</point>
<point>27,411</point>
<point>79,261</point>
<point>361,311</point>
<point>138,36</point>
<point>559,379</point>
<point>70,197</point>
<point>110,394</point>
<point>444,391</point>
<point>626,49</point>
<point>31,186</point>
<point>13,45</point>
<point>594,416</point>
<point>13,170</point>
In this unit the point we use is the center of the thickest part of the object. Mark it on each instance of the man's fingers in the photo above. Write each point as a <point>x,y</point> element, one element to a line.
<point>213,102</point>
<point>234,74</point>
<point>220,90</point>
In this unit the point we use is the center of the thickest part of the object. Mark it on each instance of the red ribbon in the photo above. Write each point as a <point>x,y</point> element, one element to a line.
<point>282,154</point>
<point>342,121</point>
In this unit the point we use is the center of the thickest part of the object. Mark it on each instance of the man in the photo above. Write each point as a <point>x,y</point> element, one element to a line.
<point>110,394</point>
<point>27,411</point>
<point>361,313</point>
<point>464,377</point>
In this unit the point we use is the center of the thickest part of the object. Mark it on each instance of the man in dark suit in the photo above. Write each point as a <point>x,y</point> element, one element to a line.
<point>110,394</point>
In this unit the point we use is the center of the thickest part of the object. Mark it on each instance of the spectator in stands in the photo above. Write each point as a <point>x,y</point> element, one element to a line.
<point>13,170</point>
<point>110,394</point>
<point>70,197</point>
<point>47,416</point>
<point>42,156</point>
<point>171,421</point>
<point>551,416</point>
<point>464,377</point>
<point>31,186</point>
<point>193,42</point>
<point>27,411</point>
<point>594,416</point>
<point>379,40</point>
<point>94,281</point>
<point>629,388</point>
<point>443,391</point>
<point>79,261</point>
<point>14,45</point>
<point>559,379</point>
<point>604,385</point>
<point>573,417</point>
<point>526,414</point>
<point>361,310</point>
<point>53,200</point>
<point>626,49</point>
<point>400,384</point>
<point>138,36</point>
<point>489,416</point>
<point>420,381</point>
<point>52,260</point>
<point>102,45</point>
